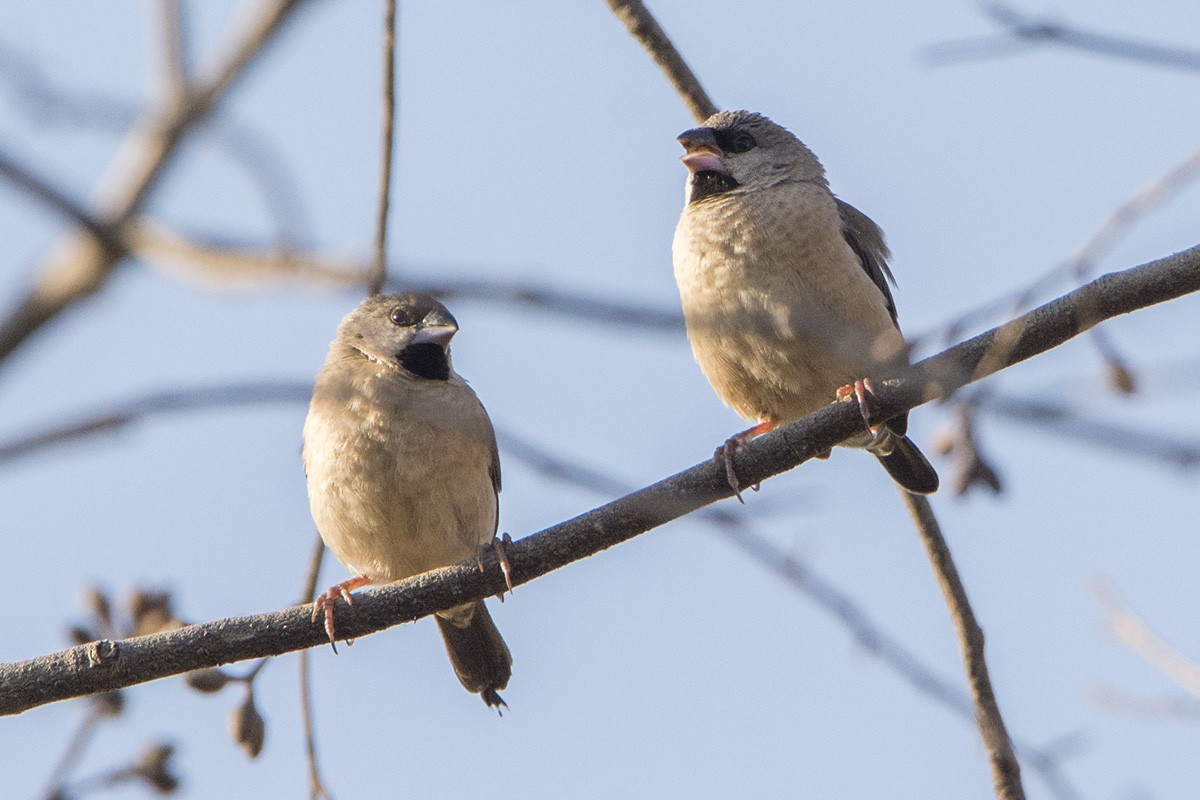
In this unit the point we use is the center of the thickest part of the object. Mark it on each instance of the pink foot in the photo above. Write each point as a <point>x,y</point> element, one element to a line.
<point>325,601</point>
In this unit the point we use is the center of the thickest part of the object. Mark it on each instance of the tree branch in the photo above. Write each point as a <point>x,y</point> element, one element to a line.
<point>77,267</point>
<point>1006,771</point>
<point>104,665</point>
<point>644,28</point>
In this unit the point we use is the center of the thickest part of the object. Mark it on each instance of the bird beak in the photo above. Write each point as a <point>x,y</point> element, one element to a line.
<point>435,334</point>
<point>703,153</point>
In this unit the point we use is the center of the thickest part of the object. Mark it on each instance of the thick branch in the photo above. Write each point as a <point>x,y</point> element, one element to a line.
<point>100,666</point>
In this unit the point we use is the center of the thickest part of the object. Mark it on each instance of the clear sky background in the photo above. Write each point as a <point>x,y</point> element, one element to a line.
<point>537,144</point>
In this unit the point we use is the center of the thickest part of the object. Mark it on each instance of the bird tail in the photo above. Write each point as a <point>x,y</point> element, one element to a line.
<point>479,655</point>
<point>908,467</point>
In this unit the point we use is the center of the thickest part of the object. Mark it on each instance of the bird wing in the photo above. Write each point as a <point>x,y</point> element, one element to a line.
<point>866,240</point>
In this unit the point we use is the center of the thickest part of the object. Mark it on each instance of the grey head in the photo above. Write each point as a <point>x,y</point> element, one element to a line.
<point>411,332</point>
<point>744,151</point>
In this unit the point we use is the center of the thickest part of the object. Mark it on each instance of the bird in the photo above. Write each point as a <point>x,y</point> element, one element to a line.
<point>785,289</point>
<point>403,471</point>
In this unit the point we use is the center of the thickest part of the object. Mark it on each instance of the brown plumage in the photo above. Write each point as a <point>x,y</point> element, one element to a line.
<point>402,466</point>
<point>784,287</point>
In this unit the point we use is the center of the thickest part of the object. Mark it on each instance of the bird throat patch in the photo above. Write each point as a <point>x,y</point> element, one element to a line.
<point>426,360</point>
<point>708,184</point>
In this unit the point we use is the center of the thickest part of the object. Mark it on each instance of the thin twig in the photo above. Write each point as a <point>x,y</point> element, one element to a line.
<point>1031,31</point>
<point>1131,629</point>
<point>75,749</point>
<point>1006,772</point>
<point>316,786</point>
<point>388,109</point>
<point>643,27</point>
<point>103,665</point>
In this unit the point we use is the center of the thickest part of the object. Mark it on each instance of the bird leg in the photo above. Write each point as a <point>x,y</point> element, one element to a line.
<point>324,602</point>
<point>883,441</point>
<point>498,546</point>
<point>725,453</point>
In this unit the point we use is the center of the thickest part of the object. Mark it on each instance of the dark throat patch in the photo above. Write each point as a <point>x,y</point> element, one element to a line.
<point>708,184</point>
<point>426,360</point>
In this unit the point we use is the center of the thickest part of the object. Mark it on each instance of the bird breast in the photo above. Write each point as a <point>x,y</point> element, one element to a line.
<point>779,310</point>
<point>398,469</point>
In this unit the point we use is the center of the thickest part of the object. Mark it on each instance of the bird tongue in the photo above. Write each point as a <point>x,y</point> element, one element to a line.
<point>702,161</point>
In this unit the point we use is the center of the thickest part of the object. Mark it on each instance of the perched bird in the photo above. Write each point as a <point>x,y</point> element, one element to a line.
<point>785,288</point>
<point>403,471</point>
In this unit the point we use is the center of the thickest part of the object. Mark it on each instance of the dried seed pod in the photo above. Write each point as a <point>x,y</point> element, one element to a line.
<point>1121,377</point>
<point>96,600</point>
<point>154,767</point>
<point>208,680</point>
<point>109,704</point>
<point>81,635</point>
<point>247,727</point>
<point>152,612</point>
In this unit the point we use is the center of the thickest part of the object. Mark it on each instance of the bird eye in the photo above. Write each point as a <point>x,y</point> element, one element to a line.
<point>742,142</point>
<point>401,315</point>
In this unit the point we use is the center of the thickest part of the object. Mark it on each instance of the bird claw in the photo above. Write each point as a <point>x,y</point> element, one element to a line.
<point>497,545</point>
<point>883,440</point>
<point>724,455</point>
<point>324,602</point>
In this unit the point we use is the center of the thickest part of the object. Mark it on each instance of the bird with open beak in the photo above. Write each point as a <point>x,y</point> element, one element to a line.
<point>403,470</point>
<point>785,289</point>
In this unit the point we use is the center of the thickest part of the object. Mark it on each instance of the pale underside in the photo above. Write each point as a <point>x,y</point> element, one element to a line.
<point>780,312</point>
<point>409,507</point>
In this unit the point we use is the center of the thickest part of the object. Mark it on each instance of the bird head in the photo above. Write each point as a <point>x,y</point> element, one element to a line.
<point>410,331</point>
<point>742,150</point>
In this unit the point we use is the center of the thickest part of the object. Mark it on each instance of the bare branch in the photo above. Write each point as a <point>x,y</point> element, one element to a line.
<point>1006,771</point>
<point>1131,629</point>
<point>641,24</point>
<point>171,43</point>
<point>57,199</point>
<point>1066,421</point>
<point>1035,31</point>
<point>388,110</point>
<point>104,665</point>
<point>77,268</point>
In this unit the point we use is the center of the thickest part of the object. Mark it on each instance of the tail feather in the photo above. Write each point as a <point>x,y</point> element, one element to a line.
<point>480,657</point>
<point>908,467</point>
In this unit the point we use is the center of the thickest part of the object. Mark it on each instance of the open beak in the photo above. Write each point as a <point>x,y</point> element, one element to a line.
<point>703,154</point>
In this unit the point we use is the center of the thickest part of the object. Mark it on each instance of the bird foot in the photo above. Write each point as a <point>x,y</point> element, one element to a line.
<point>497,545</point>
<point>724,454</point>
<point>883,441</point>
<point>324,602</point>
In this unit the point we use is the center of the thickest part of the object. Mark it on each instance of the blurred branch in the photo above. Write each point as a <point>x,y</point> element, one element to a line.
<point>1067,421</point>
<point>1026,31</point>
<point>172,50</point>
<point>122,416</point>
<point>1183,709</point>
<point>77,268</point>
<point>1006,771</point>
<point>41,189</point>
<point>103,665</point>
<point>1131,629</point>
<point>642,26</point>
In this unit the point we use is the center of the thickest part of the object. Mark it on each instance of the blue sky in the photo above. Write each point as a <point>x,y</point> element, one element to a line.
<point>537,144</point>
